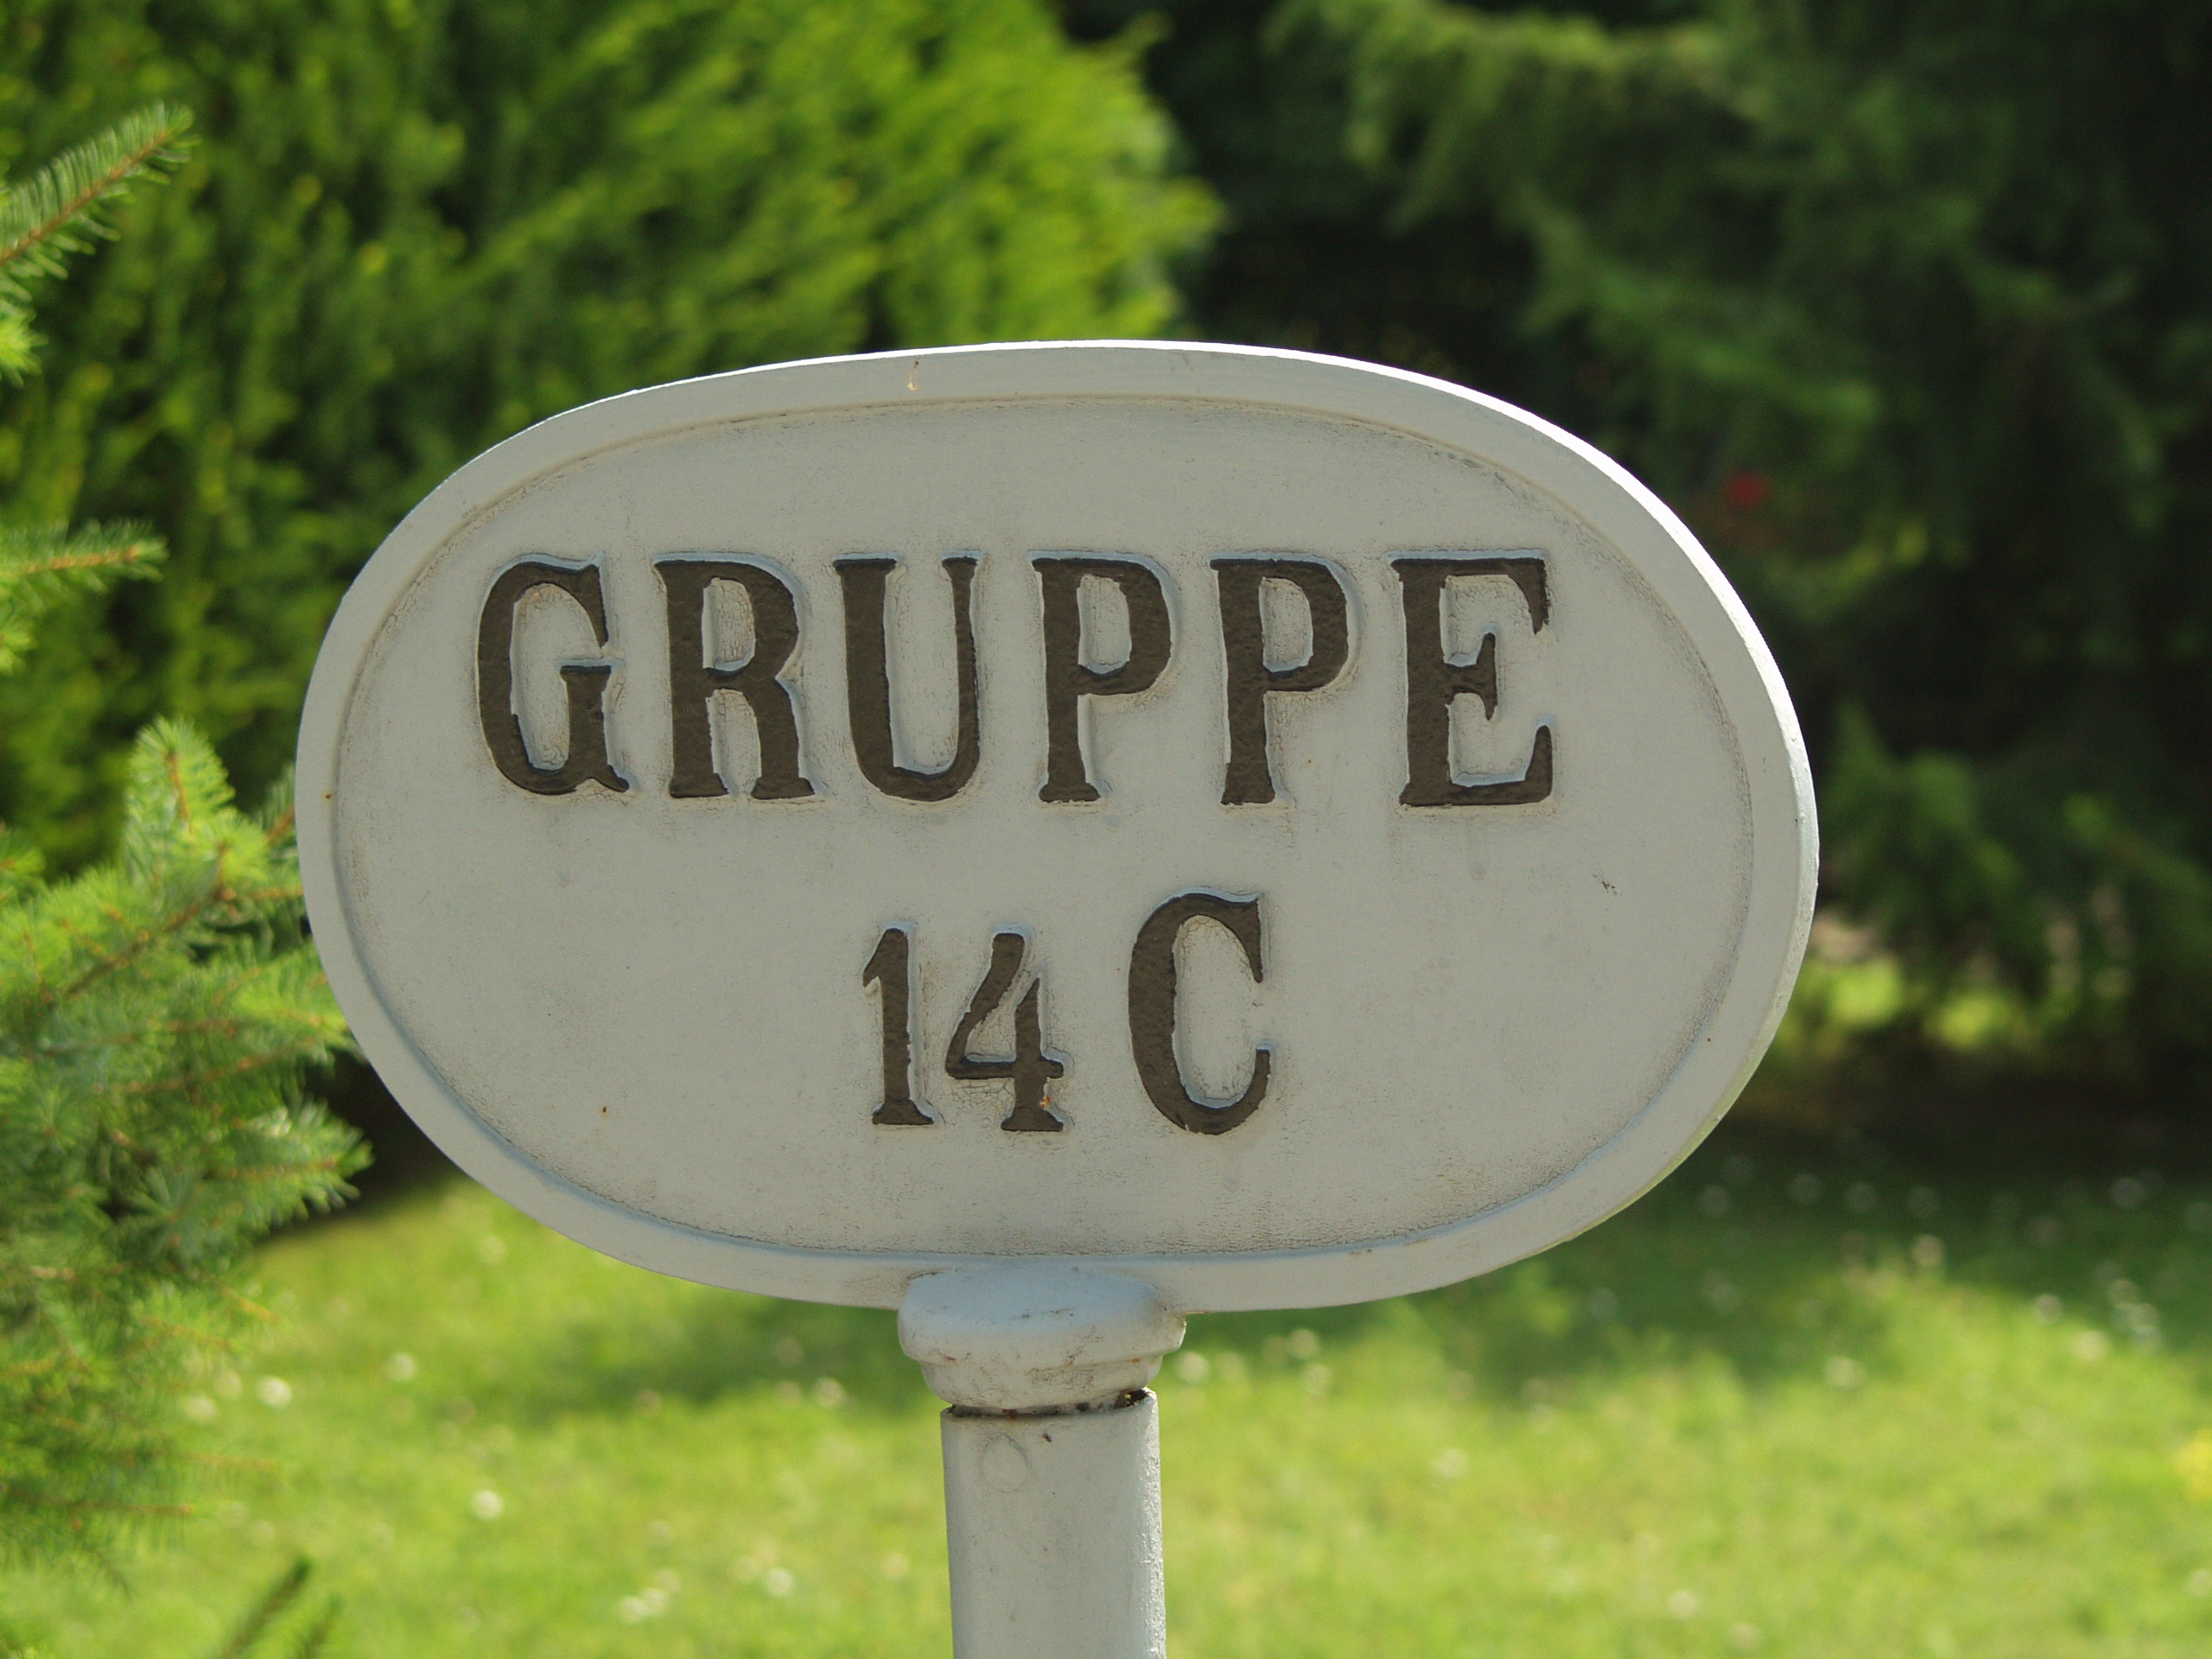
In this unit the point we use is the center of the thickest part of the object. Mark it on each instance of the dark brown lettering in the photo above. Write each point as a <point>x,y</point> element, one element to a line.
<point>1434,680</point>
<point>889,972</point>
<point>1152,1009</point>
<point>1029,1067</point>
<point>693,680</point>
<point>1069,679</point>
<point>1250,779</point>
<point>586,760</point>
<point>868,681</point>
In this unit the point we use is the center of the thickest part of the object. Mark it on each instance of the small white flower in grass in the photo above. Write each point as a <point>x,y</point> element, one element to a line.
<point>1315,1380</point>
<point>789,1392</point>
<point>1683,1603</point>
<point>778,1582</point>
<point>1743,1636</point>
<point>659,1534</point>
<point>400,1368</point>
<point>634,1610</point>
<point>1928,1252</point>
<point>199,1408</point>
<point>829,1392</point>
<point>273,1392</point>
<point>227,1384</point>
<point>1844,1373</point>
<point>492,1250</point>
<point>895,1565</point>
<point>1303,1344</point>
<point>2200,1583</point>
<point>2091,1345</point>
<point>2047,1308</point>
<point>1193,1367</point>
<point>487,1505</point>
<point>667,1581</point>
<point>1449,1464</point>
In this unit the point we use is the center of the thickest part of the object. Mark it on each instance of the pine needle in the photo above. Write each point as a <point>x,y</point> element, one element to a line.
<point>279,1596</point>
<point>66,206</point>
<point>60,210</point>
<point>39,568</point>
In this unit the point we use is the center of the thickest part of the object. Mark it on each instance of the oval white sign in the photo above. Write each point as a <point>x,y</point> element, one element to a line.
<point>1291,829</point>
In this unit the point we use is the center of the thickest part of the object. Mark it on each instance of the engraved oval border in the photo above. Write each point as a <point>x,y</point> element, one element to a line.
<point>1784,835</point>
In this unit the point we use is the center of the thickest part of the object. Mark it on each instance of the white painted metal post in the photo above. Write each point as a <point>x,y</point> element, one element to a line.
<point>1053,1524</point>
<point>1051,1456</point>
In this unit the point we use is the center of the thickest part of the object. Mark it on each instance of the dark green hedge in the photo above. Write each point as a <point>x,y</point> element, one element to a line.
<point>1907,305</point>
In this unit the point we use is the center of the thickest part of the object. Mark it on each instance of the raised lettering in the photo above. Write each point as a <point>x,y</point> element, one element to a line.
<point>1069,678</point>
<point>1250,779</point>
<point>868,681</point>
<point>693,679</point>
<point>1152,1009</point>
<point>587,759</point>
<point>889,972</point>
<point>1029,1066</point>
<point>1434,680</point>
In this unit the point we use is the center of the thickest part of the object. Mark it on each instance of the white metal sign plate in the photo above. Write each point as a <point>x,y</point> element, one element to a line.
<point>1293,830</point>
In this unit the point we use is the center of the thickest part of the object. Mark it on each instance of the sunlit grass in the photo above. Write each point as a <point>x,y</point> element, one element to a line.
<point>1785,1405</point>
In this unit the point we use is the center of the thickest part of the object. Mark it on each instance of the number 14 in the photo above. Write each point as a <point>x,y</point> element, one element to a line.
<point>1030,1068</point>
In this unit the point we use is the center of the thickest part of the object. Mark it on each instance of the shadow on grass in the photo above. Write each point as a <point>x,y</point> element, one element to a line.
<point>1747,1256</point>
<point>722,1343</point>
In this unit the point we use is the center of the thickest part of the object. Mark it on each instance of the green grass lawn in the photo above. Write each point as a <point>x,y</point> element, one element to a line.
<point>1785,1406</point>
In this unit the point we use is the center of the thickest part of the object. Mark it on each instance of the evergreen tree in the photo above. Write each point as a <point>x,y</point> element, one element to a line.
<point>157,1014</point>
<point>413,227</point>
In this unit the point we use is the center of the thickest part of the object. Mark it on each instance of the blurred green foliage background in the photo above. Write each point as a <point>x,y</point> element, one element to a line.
<point>413,228</point>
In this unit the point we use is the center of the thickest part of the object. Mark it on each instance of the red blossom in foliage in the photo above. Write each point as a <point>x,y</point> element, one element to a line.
<point>1747,492</point>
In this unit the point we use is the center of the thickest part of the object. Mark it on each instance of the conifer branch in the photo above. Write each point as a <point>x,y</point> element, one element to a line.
<point>42,566</point>
<point>57,210</point>
<point>157,1014</point>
